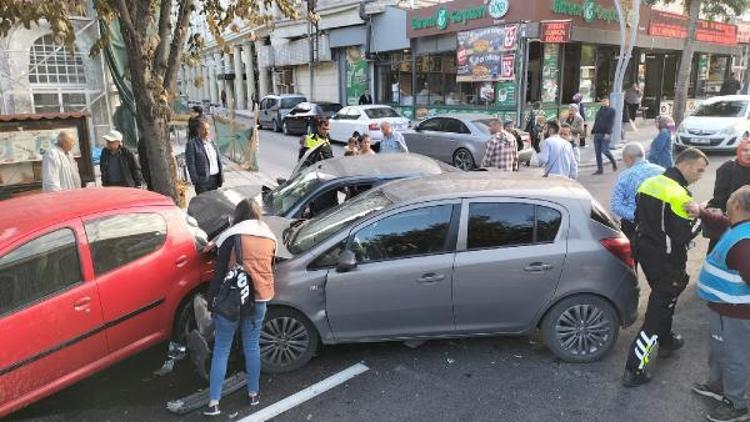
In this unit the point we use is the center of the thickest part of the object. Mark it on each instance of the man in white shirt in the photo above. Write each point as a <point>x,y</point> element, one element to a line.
<point>59,168</point>
<point>203,161</point>
<point>557,154</point>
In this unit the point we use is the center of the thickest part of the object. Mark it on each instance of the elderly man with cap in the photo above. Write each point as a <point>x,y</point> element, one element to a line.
<point>118,165</point>
<point>59,168</point>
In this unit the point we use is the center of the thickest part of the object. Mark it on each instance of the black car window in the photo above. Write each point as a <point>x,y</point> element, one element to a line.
<point>330,257</point>
<point>120,239</point>
<point>39,268</point>
<point>411,233</point>
<point>381,112</point>
<point>599,215</point>
<point>290,102</point>
<point>548,222</point>
<point>342,114</point>
<point>431,124</point>
<point>500,224</point>
<point>329,108</point>
<point>354,113</point>
<point>333,197</point>
<point>454,126</point>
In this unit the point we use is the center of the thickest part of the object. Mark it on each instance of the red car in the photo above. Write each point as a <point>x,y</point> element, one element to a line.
<point>87,278</point>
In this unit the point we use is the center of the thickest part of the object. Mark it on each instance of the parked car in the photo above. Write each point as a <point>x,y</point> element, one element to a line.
<point>315,189</point>
<point>365,119</point>
<point>273,108</point>
<point>457,139</point>
<point>452,255</point>
<point>300,119</point>
<point>718,123</point>
<point>89,277</point>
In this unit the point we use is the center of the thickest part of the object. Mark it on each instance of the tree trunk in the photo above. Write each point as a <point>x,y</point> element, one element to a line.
<point>686,61</point>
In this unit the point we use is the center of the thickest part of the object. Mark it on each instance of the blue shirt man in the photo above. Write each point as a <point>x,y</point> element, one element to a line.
<point>639,169</point>
<point>392,141</point>
<point>557,154</point>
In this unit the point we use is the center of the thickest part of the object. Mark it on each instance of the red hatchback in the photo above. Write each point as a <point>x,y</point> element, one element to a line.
<point>87,278</point>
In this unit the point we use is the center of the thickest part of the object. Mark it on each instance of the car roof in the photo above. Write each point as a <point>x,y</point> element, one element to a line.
<point>380,165</point>
<point>727,98</point>
<point>465,117</point>
<point>368,106</point>
<point>283,96</point>
<point>483,183</point>
<point>27,213</point>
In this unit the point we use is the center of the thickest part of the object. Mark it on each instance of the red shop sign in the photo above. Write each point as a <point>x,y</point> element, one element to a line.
<point>672,25</point>
<point>556,31</point>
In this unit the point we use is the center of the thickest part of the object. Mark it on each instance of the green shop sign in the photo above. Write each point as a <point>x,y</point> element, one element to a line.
<point>589,10</point>
<point>443,17</point>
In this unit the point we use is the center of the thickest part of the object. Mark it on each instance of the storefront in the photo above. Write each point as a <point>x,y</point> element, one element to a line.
<point>562,47</point>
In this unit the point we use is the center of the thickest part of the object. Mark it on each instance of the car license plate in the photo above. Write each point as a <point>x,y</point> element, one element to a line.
<point>699,141</point>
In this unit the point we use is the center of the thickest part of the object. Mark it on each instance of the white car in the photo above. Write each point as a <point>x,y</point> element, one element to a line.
<point>716,124</point>
<point>365,119</point>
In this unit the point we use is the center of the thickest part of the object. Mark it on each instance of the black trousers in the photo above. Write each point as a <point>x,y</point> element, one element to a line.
<point>667,281</point>
<point>213,184</point>
<point>632,110</point>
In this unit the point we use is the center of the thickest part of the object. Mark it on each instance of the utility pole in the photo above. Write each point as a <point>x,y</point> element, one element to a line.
<point>617,95</point>
<point>312,36</point>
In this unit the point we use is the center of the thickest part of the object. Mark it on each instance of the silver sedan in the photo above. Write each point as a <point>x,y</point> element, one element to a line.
<point>458,139</point>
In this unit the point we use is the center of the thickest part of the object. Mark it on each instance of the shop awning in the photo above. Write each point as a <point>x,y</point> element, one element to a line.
<point>39,116</point>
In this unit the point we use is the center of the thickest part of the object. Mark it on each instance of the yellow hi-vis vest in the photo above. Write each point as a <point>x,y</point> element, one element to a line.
<point>668,191</point>
<point>314,140</point>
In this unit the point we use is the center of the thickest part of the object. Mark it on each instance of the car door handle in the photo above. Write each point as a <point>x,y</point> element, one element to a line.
<point>537,267</point>
<point>82,304</point>
<point>430,278</point>
<point>181,261</point>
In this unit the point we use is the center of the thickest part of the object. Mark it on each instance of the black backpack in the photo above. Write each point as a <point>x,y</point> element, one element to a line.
<point>236,297</point>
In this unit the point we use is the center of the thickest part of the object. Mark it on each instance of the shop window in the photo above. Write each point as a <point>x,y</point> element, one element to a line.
<point>717,69</point>
<point>571,72</point>
<point>534,73</point>
<point>393,73</point>
<point>587,86</point>
<point>50,63</point>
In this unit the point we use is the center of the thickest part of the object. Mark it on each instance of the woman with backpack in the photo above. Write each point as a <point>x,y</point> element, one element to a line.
<point>242,284</point>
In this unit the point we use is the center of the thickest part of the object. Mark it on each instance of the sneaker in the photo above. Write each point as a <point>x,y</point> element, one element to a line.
<point>635,378</point>
<point>705,390</point>
<point>212,410</point>
<point>598,172</point>
<point>667,349</point>
<point>726,412</point>
<point>254,399</point>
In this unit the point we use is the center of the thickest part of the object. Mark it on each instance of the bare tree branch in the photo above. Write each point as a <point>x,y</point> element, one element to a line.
<point>178,44</point>
<point>161,54</point>
<point>126,20</point>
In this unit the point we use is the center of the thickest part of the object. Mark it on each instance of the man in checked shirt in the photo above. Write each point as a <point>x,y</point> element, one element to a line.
<point>502,150</point>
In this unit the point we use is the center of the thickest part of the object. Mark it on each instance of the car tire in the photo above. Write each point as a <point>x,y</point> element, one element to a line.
<point>567,328</point>
<point>276,127</point>
<point>463,159</point>
<point>281,327</point>
<point>184,320</point>
<point>285,128</point>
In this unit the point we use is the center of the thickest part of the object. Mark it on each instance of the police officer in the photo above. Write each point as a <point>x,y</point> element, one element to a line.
<point>319,142</point>
<point>664,231</point>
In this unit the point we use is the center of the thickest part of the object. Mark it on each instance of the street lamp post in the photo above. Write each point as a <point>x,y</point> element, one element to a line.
<point>617,95</point>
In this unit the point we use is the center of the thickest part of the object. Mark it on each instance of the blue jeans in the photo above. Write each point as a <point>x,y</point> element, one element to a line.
<point>224,335</point>
<point>601,146</point>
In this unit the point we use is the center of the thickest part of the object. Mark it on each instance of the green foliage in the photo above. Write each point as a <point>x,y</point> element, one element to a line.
<point>715,9</point>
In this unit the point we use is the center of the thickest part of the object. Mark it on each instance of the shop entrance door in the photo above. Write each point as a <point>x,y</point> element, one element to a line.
<point>652,89</point>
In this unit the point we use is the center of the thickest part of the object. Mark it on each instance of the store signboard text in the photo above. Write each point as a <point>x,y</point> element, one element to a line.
<point>588,9</point>
<point>672,25</point>
<point>442,18</point>
<point>556,31</point>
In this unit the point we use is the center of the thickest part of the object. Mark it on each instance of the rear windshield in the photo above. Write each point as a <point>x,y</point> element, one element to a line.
<point>722,109</point>
<point>325,108</point>
<point>290,102</point>
<point>599,215</point>
<point>381,112</point>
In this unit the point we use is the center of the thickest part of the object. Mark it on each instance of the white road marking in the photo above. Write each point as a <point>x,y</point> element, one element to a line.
<point>302,396</point>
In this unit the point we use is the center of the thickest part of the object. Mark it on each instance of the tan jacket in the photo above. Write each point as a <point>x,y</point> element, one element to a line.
<point>257,260</point>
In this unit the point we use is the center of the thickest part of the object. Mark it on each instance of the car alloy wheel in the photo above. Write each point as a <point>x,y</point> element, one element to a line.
<point>287,342</point>
<point>463,159</point>
<point>581,328</point>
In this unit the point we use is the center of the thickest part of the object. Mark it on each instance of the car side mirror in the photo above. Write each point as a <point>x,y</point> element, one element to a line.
<point>347,262</point>
<point>417,128</point>
<point>280,181</point>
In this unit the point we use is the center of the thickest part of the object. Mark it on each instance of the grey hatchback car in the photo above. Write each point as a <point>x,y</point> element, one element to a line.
<point>452,255</point>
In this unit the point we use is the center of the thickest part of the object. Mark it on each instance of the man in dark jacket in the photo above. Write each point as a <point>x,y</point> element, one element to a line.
<point>664,231</point>
<point>203,161</point>
<point>604,123</point>
<point>318,144</point>
<point>730,176</point>
<point>365,98</point>
<point>118,164</point>
<point>532,128</point>
<point>730,87</point>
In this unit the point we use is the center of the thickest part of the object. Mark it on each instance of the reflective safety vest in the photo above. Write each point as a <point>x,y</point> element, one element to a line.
<point>668,191</point>
<point>716,282</point>
<point>314,140</point>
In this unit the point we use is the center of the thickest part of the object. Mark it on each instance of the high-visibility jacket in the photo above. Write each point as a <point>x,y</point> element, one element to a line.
<point>313,140</point>
<point>717,282</point>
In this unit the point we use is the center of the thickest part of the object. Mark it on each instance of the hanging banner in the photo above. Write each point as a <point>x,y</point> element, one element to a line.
<point>356,75</point>
<point>506,93</point>
<point>550,73</point>
<point>672,25</point>
<point>486,54</point>
<point>556,31</point>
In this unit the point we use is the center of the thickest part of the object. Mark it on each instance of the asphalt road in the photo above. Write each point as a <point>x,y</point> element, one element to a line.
<point>488,379</point>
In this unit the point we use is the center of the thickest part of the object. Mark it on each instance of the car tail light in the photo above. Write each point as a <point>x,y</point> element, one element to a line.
<point>373,126</point>
<point>619,247</point>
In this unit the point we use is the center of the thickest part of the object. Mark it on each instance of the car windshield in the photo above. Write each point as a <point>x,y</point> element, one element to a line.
<point>722,109</point>
<point>329,223</point>
<point>327,108</point>
<point>381,112</point>
<point>281,200</point>
<point>290,102</point>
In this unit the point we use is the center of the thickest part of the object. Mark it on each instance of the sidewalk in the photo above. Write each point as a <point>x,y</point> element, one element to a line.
<point>645,134</point>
